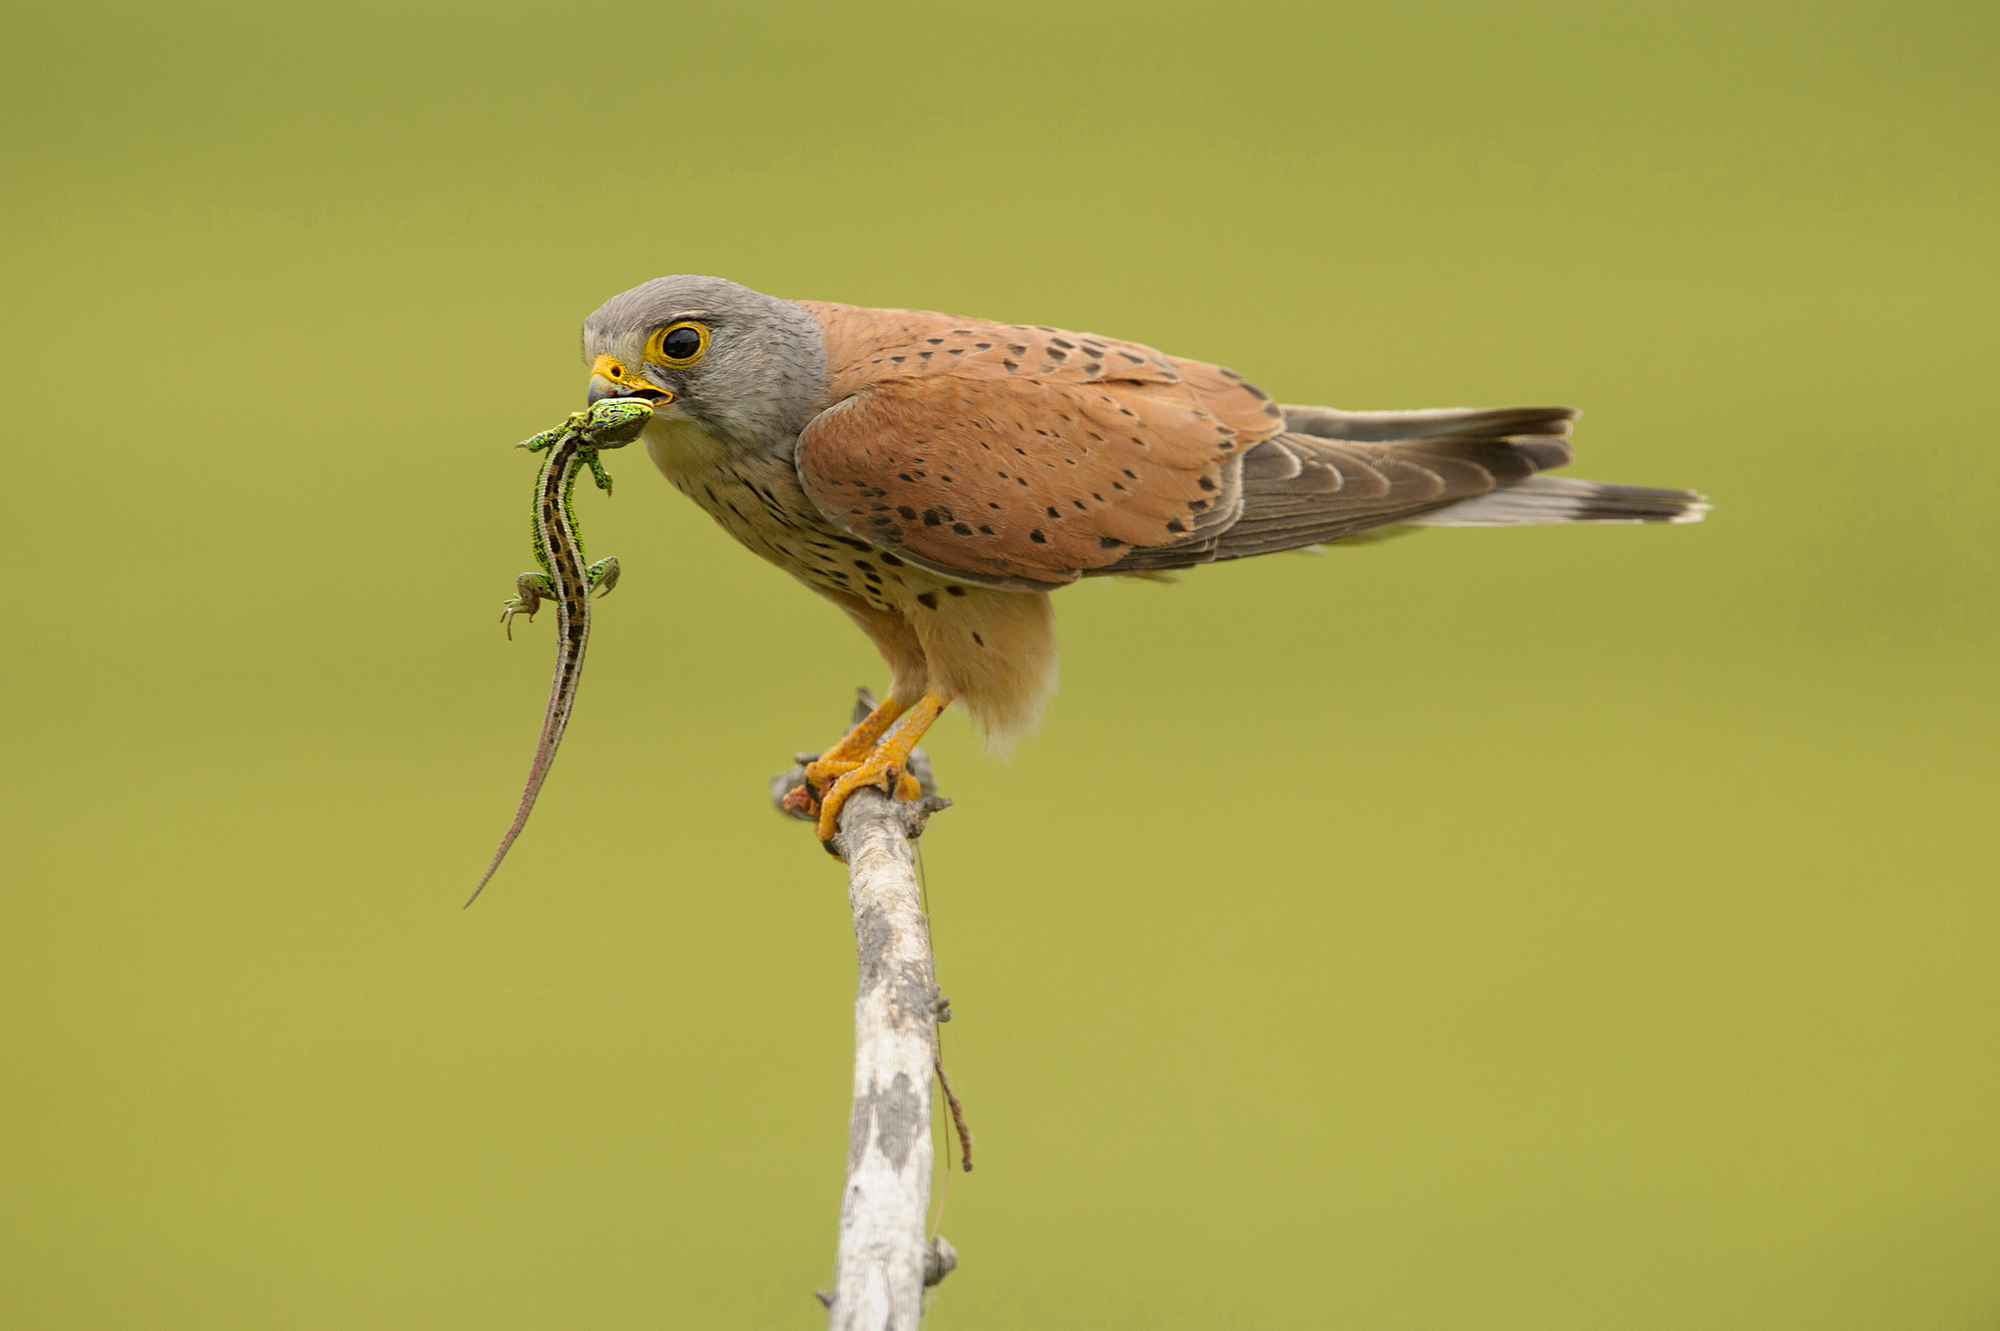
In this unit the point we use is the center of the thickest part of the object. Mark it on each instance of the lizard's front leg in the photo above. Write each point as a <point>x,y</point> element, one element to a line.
<point>602,576</point>
<point>530,590</point>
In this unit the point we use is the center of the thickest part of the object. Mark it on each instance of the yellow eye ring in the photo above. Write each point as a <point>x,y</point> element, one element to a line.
<point>665,342</point>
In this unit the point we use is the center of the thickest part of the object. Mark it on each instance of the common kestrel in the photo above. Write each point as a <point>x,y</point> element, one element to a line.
<point>937,476</point>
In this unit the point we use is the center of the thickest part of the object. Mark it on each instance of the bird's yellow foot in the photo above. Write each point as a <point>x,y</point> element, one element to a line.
<point>854,746</point>
<point>875,753</point>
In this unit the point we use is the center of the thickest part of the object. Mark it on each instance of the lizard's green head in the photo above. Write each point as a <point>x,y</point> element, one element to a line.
<point>745,367</point>
<point>614,422</point>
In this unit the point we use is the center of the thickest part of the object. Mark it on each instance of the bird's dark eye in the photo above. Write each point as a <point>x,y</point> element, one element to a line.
<point>679,344</point>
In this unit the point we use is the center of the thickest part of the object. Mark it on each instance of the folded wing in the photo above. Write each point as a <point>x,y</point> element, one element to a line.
<point>1022,457</point>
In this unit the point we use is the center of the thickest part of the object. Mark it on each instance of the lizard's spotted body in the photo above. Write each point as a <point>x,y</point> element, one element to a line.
<point>565,578</point>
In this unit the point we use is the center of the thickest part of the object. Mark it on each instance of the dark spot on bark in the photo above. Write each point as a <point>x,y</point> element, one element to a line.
<point>891,1118</point>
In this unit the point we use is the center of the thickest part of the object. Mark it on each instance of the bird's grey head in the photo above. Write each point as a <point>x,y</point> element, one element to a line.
<point>748,368</point>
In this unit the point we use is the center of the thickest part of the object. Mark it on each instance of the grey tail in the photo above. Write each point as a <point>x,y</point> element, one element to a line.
<point>1546,499</point>
<point>1335,475</point>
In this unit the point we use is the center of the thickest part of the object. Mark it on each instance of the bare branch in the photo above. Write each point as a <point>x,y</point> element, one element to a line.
<point>883,1262</point>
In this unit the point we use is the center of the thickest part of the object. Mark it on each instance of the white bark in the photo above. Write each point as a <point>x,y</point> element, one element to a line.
<point>883,1264</point>
<point>879,1272</point>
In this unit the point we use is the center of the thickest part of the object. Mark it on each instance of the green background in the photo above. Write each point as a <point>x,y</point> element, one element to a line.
<point>1564,928</point>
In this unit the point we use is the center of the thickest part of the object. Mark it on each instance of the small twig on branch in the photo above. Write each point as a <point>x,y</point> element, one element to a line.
<point>883,1262</point>
<point>957,1113</point>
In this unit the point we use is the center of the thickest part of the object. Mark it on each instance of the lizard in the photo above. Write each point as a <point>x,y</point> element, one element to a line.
<point>565,578</point>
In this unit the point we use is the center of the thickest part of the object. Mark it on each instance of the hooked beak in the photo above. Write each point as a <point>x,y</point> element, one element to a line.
<point>610,378</point>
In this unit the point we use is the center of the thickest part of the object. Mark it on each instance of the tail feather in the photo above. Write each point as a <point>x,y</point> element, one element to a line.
<point>1551,499</point>
<point>1334,475</point>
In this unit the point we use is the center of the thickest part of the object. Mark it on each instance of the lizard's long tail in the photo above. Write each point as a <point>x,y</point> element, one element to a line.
<point>574,633</point>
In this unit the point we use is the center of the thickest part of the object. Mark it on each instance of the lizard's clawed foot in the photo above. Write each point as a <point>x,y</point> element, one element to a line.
<point>530,590</point>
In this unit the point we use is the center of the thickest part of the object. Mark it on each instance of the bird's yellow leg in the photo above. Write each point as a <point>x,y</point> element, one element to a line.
<point>885,765</point>
<point>845,756</point>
